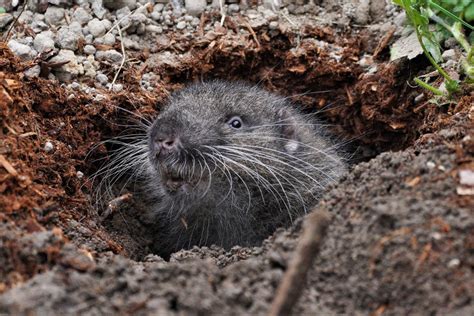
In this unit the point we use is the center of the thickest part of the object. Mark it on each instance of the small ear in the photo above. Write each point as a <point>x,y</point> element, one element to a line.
<point>288,125</point>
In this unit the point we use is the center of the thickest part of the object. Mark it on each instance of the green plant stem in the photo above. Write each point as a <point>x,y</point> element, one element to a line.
<point>448,13</point>
<point>423,84</point>
<point>408,9</point>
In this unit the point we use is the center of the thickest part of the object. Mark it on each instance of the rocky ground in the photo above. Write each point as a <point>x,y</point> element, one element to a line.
<point>401,238</point>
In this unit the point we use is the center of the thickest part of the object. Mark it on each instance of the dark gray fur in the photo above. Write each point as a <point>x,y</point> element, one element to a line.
<point>210,212</point>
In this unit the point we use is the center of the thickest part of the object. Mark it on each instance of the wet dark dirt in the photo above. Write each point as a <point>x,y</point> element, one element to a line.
<point>401,238</point>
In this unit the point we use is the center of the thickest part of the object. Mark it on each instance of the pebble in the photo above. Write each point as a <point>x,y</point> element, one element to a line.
<point>75,85</point>
<point>54,15</point>
<point>430,164</point>
<point>81,15</point>
<point>234,8</point>
<point>97,8</point>
<point>44,41</point>
<point>273,25</point>
<point>48,146</point>
<point>453,263</point>
<point>154,29</point>
<point>21,50</point>
<point>67,38</point>
<point>89,50</point>
<point>195,7</point>
<point>181,25</point>
<point>118,4</point>
<point>449,54</point>
<point>117,87</point>
<point>5,18</point>
<point>102,79</point>
<point>466,177</point>
<point>96,27</point>
<point>109,55</point>
<point>158,7</point>
<point>32,72</point>
<point>109,39</point>
<point>156,16</point>
<point>67,71</point>
<point>79,175</point>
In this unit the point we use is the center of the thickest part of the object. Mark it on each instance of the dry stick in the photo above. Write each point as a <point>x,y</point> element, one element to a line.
<point>221,4</point>
<point>7,36</point>
<point>293,281</point>
<point>123,59</point>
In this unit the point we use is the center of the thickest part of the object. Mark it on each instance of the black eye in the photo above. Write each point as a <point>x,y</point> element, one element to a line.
<point>235,122</point>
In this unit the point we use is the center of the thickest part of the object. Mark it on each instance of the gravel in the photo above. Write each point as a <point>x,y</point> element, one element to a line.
<point>81,15</point>
<point>195,7</point>
<point>110,55</point>
<point>21,50</point>
<point>96,27</point>
<point>44,41</point>
<point>48,147</point>
<point>5,18</point>
<point>89,50</point>
<point>54,15</point>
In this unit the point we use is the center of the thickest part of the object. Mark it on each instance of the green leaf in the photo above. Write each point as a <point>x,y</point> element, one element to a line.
<point>469,13</point>
<point>2,10</point>
<point>433,49</point>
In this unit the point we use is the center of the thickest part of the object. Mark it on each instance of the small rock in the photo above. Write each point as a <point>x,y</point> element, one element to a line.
<point>33,72</point>
<point>273,25</point>
<point>195,7</point>
<point>109,55</point>
<point>5,18</point>
<point>466,177</point>
<point>44,41</point>
<point>81,15</point>
<point>154,29</point>
<point>117,87</point>
<point>48,147</point>
<point>54,15</point>
<point>158,7</point>
<point>89,50</point>
<point>96,27</point>
<point>98,8</point>
<point>70,70</point>
<point>419,98</point>
<point>118,4</point>
<point>21,50</point>
<point>102,79</point>
<point>449,54</point>
<point>234,7</point>
<point>79,175</point>
<point>75,85</point>
<point>156,16</point>
<point>67,38</point>
<point>108,39</point>
<point>430,164</point>
<point>453,263</point>
<point>181,25</point>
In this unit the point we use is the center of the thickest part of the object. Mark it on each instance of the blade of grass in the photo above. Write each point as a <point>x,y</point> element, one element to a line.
<point>452,16</point>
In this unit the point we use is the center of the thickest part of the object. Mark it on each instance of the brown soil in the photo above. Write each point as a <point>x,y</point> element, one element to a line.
<point>401,238</point>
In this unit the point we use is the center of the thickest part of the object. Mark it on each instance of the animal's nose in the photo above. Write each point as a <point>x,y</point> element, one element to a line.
<point>167,145</point>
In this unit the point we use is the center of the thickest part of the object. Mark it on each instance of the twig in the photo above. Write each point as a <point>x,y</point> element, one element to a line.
<point>14,22</point>
<point>252,32</point>
<point>293,281</point>
<point>221,3</point>
<point>114,205</point>
<point>124,57</point>
<point>7,165</point>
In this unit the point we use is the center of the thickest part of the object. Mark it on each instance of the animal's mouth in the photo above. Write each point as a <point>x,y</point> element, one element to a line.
<point>177,179</point>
